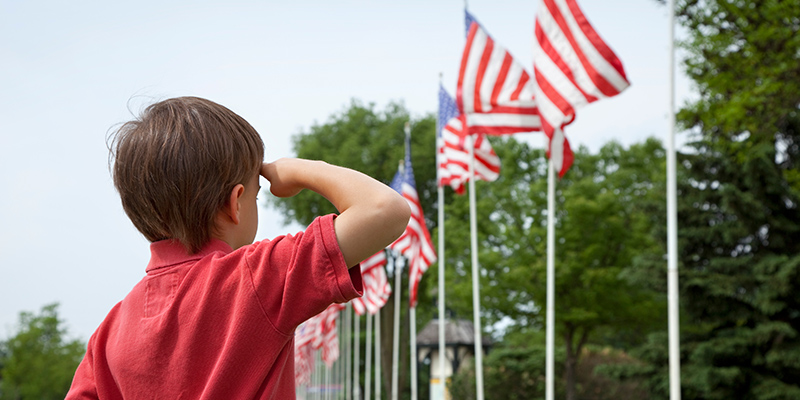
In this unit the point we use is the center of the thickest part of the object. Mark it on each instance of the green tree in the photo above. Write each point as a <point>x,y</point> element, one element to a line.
<point>369,141</point>
<point>39,361</point>
<point>739,221</point>
<point>740,251</point>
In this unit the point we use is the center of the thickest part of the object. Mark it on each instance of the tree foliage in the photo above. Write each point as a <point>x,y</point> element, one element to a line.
<point>369,141</point>
<point>739,221</point>
<point>39,361</point>
<point>740,252</point>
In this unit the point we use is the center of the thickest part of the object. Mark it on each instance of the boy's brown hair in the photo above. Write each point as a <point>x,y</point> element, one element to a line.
<point>176,164</point>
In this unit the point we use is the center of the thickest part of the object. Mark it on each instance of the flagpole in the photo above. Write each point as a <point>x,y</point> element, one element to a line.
<point>327,382</point>
<point>672,227</point>
<point>317,377</point>
<point>442,321</point>
<point>342,355</point>
<point>398,281</point>
<point>441,262</point>
<point>377,355</point>
<point>476,300</point>
<point>413,325</point>
<point>349,351</point>
<point>551,282</point>
<point>396,336</point>
<point>312,380</point>
<point>412,315</point>
<point>368,366</point>
<point>356,356</point>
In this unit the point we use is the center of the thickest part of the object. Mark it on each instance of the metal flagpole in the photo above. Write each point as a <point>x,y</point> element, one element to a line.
<point>317,376</point>
<point>412,316</point>
<point>356,356</point>
<point>327,382</point>
<point>377,355</point>
<point>396,337</point>
<point>476,300</point>
<point>442,321</point>
<point>348,351</point>
<point>313,375</point>
<point>551,282</point>
<point>672,228</point>
<point>413,353</point>
<point>441,266</point>
<point>368,366</point>
<point>340,359</point>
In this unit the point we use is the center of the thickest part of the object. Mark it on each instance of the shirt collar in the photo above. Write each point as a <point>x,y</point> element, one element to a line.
<point>165,253</point>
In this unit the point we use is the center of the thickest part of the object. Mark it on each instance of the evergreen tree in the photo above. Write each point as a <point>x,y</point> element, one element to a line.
<point>739,222</point>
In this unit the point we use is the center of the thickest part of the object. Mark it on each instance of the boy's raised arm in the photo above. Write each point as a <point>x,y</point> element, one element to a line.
<point>371,214</point>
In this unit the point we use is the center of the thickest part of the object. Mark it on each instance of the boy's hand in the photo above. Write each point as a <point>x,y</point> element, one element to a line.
<point>280,175</point>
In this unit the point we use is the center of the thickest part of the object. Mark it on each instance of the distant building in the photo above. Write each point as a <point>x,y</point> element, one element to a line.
<point>459,340</point>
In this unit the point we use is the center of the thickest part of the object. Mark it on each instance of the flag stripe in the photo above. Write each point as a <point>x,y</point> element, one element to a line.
<point>464,72</point>
<point>501,77</point>
<point>522,85</point>
<point>502,123</point>
<point>376,287</point>
<point>485,57</point>
<point>552,103</point>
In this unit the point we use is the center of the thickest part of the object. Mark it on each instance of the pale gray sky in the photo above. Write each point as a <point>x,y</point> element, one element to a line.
<point>69,71</point>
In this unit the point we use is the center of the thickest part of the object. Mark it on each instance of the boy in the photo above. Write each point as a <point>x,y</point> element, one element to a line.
<point>215,315</point>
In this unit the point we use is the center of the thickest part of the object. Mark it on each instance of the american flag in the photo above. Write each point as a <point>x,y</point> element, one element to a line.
<point>318,332</point>
<point>572,67</point>
<point>325,335</point>
<point>376,285</point>
<point>452,156</point>
<point>494,92</point>
<point>303,351</point>
<point>415,242</point>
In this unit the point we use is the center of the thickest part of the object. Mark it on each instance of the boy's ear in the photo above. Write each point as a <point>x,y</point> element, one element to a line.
<point>232,208</point>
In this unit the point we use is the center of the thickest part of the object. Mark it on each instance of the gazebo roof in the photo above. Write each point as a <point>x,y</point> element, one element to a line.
<point>456,332</point>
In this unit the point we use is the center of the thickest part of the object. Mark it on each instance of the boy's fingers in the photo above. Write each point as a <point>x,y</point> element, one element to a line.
<point>266,170</point>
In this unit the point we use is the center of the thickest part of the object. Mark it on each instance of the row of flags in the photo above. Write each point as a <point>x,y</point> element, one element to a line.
<point>319,332</point>
<point>495,95</point>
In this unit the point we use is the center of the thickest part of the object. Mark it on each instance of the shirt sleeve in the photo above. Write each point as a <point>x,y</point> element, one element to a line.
<point>83,383</point>
<point>297,276</point>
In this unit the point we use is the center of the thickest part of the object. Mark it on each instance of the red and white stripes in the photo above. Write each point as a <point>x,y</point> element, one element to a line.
<point>494,92</point>
<point>573,67</point>
<point>376,285</point>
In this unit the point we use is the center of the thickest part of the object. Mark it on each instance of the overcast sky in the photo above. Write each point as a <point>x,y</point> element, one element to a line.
<point>70,71</point>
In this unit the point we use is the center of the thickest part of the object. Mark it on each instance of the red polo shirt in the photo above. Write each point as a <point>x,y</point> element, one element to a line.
<point>218,324</point>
